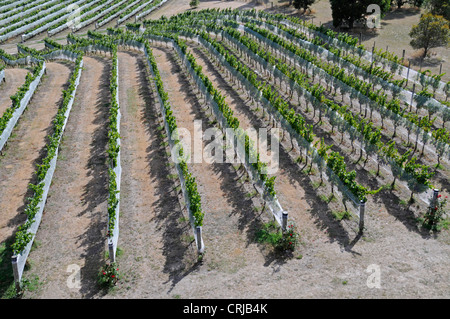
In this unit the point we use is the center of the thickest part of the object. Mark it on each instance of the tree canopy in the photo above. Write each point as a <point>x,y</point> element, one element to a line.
<point>347,12</point>
<point>431,32</point>
<point>303,4</point>
<point>439,7</point>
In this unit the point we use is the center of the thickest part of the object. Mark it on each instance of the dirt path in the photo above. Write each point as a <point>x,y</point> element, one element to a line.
<point>73,227</point>
<point>15,78</point>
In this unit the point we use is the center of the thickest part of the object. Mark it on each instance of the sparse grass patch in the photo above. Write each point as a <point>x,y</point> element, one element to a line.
<point>340,215</point>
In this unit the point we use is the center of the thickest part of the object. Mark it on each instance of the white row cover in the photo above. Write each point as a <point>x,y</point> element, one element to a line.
<point>137,9</point>
<point>105,21</point>
<point>11,5</point>
<point>95,18</point>
<point>5,22</point>
<point>146,12</point>
<point>29,26</point>
<point>56,21</point>
<point>76,27</point>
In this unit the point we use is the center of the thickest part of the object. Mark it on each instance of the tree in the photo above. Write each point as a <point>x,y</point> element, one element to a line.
<point>303,4</point>
<point>439,7</point>
<point>431,32</point>
<point>416,3</point>
<point>400,3</point>
<point>347,12</point>
<point>194,3</point>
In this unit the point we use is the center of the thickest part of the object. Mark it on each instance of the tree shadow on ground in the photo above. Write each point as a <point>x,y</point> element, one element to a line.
<point>402,213</point>
<point>401,13</point>
<point>424,63</point>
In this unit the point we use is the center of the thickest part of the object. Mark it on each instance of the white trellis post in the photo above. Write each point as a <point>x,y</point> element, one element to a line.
<point>407,74</point>
<point>435,197</point>
<point>362,209</point>
<point>284,220</point>
<point>198,230</point>
<point>112,255</point>
<point>412,95</point>
<point>17,277</point>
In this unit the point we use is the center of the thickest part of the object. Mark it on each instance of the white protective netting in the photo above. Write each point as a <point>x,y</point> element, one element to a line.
<point>148,11</point>
<point>96,17</point>
<point>11,5</point>
<point>136,10</point>
<point>36,23</point>
<point>116,14</point>
<point>5,22</point>
<point>68,23</point>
